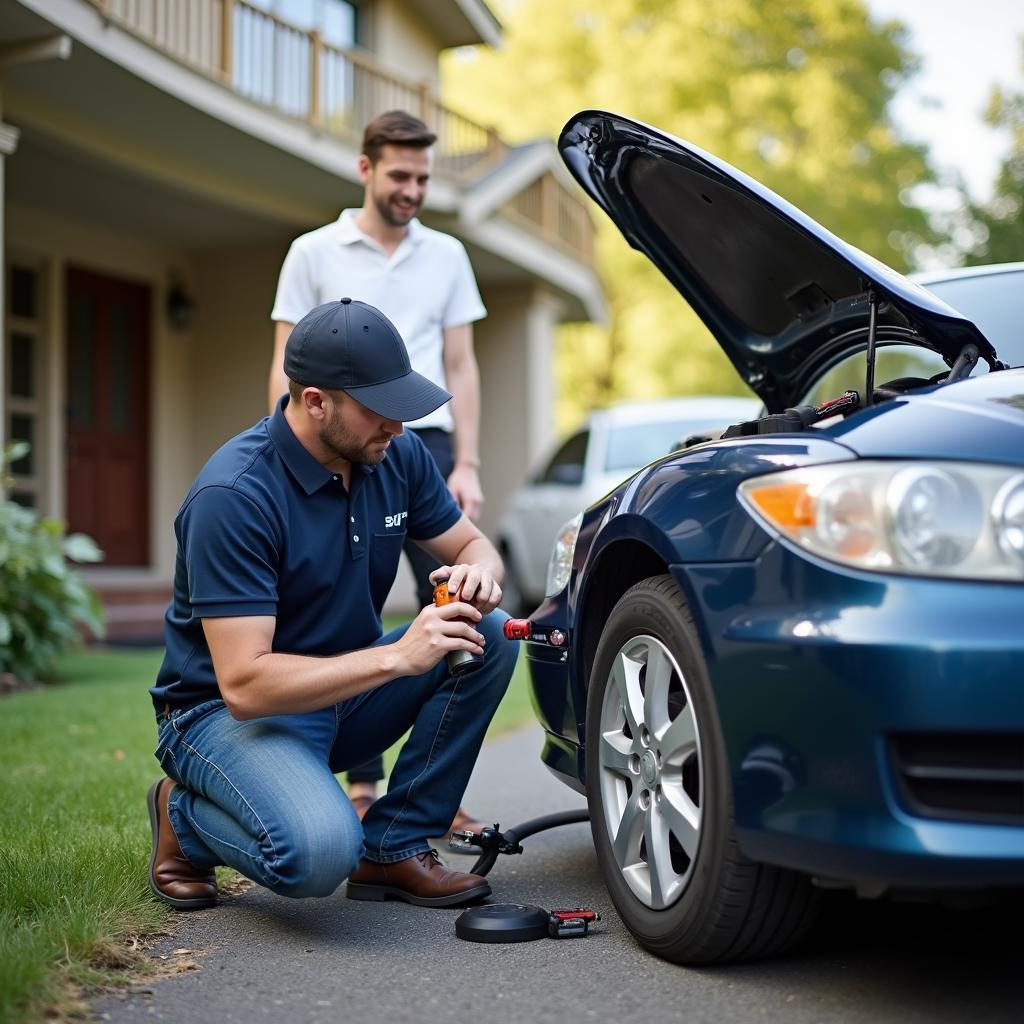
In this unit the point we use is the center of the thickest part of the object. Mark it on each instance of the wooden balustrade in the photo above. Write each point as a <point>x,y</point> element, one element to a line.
<point>295,72</point>
<point>558,214</point>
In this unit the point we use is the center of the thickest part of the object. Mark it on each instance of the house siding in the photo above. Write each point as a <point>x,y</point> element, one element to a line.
<point>403,42</point>
<point>180,179</point>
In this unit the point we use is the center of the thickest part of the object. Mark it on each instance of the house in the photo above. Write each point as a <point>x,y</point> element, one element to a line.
<point>158,156</point>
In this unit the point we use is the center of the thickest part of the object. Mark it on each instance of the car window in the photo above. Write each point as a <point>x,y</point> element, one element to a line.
<point>993,303</point>
<point>891,362</point>
<point>633,445</point>
<point>566,465</point>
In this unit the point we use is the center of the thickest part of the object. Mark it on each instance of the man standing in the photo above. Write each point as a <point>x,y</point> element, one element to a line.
<point>422,281</point>
<point>276,674</point>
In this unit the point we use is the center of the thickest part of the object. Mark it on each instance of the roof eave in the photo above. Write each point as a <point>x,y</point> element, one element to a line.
<point>483,20</point>
<point>460,22</point>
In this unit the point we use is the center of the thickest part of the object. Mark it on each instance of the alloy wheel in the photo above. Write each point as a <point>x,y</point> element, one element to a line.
<point>649,760</point>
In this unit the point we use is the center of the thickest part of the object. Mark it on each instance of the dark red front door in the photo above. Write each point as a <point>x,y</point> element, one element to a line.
<point>108,414</point>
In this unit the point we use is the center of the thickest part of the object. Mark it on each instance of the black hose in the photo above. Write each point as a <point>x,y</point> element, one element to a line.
<point>529,828</point>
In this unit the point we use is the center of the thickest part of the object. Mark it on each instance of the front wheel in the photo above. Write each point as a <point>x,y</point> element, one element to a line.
<point>660,799</point>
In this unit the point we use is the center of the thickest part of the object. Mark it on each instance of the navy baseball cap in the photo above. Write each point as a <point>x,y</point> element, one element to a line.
<point>353,347</point>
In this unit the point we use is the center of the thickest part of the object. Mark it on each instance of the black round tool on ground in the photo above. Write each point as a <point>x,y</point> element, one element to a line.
<point>502,922</point>
<point>516,922</point>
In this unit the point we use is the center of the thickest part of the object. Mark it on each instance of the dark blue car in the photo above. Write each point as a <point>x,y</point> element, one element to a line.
<point>792,657</point>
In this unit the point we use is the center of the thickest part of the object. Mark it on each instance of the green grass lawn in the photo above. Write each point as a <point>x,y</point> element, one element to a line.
<point>76,760</point>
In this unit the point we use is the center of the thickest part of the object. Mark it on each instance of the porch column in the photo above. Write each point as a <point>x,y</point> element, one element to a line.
<point>515,349</point>
<point>8,144</point>
<point>542,319</point>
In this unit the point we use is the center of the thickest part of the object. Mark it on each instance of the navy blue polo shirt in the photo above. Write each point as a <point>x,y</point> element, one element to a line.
<point>267,530</point>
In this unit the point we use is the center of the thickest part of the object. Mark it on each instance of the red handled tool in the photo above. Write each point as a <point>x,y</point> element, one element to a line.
<point>571,924</point>
<point>524,629</point>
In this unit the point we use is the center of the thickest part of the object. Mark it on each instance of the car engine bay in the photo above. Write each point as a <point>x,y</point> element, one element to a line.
<point>804,417</point>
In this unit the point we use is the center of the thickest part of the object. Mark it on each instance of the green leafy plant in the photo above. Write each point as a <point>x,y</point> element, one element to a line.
<point>43,601</point>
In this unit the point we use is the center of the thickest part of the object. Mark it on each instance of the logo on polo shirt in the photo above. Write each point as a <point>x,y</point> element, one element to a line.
<point>395,520</point>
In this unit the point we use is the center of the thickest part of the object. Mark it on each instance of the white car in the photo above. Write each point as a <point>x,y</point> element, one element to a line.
<point>611,445</point>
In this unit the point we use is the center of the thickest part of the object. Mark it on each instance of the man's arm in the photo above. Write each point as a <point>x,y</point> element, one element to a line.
<point>278,383</point>
<point>469,562</point>
<point>255,681</point>
<point>463,379</point>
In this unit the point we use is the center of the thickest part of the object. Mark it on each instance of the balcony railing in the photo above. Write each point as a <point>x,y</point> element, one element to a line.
<point>546,206</point>
<point>294,72</point>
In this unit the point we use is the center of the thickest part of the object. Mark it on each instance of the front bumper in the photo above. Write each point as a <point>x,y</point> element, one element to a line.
<point>826,678</point>
<point>555,705</point>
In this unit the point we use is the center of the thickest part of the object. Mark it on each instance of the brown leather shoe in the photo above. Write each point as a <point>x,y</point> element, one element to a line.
<point>171,877</point>
<point>422,880</point>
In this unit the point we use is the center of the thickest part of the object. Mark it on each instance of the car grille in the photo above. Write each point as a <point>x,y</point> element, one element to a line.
<point>962,776</point>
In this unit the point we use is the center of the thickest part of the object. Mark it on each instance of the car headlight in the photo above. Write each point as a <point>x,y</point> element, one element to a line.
<point>560,562</point>
<point>950,519</point>
<point>1009,520</point>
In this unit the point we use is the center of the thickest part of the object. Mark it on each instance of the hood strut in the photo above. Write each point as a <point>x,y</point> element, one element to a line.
<point>869,383</point>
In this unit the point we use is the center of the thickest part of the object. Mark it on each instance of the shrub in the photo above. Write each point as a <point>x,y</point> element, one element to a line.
<point>43,600</point>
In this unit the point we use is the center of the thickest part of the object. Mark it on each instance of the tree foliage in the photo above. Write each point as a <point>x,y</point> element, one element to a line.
<point>794,92</point>
<point>997,226</point>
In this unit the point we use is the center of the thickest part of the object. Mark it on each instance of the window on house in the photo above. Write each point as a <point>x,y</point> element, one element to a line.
<point>22,428</point>
<point>23,291</point>
<point>272,58</point>
<point>23,365</point>
<point>22,354</point>
<point>24,498</point>
<point>335,20</point>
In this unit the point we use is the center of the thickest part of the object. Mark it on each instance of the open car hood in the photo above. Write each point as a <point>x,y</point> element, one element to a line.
<point>784,297</point>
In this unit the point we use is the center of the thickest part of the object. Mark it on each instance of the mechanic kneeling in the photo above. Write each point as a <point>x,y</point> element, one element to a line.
<point>288,543</point>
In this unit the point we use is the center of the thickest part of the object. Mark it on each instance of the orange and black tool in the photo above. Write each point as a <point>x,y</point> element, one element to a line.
<point>460,663</point>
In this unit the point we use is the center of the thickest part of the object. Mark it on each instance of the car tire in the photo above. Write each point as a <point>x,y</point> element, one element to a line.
<point>657,779</point>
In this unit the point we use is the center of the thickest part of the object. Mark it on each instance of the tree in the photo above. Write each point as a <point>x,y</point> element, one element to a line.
<point>794,92</point>
<point>997,226</point>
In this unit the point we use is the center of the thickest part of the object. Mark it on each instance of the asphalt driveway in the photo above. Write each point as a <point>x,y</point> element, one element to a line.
<point>265,958</point>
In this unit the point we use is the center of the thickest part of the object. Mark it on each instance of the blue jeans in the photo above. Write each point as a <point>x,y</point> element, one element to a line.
<point>261,797</point>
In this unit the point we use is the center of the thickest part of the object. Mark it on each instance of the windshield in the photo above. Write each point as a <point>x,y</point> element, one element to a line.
<point>993,302</point>
<point>635,445</point>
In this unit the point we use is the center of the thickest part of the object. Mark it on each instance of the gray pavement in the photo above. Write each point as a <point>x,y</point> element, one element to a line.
<point>265,958</point>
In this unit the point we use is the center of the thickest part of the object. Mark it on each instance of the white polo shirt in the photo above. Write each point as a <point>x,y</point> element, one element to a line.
<point>425,286</point>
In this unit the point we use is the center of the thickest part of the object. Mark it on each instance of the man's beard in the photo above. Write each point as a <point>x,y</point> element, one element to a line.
<point>337,438</point>
<point>395,216</point>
